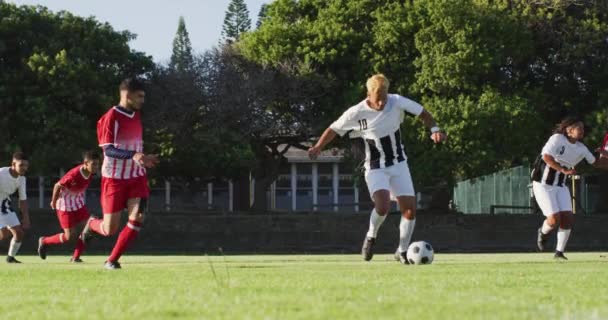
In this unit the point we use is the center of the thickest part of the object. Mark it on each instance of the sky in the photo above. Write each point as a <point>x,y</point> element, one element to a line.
<point>155,21</point>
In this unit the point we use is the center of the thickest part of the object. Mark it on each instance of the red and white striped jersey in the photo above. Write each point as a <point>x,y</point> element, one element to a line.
<point>123,130</point>
<point>71,197</point>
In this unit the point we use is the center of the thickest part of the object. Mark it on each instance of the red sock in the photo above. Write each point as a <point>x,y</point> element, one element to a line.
<point>79,248</point>
<point>97,226</point>
<point>127,235</point>
<point>54,240</point>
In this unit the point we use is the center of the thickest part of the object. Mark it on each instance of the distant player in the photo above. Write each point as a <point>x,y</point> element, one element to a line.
<point>123,173</point>
<point>68,201</point>
<point>562,152</point>
<point>378,119</point>
<point>12,179</point>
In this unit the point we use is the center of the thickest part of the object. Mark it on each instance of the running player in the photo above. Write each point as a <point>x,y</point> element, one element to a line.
<point>124,184</point>
<point>68,201</point>
<point>378,119</point>
<point>12,179</point>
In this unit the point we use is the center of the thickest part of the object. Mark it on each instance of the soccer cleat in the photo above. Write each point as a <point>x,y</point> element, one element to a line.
<point>401,257</point>
<point>76,260</point>
<point>559,256</point>
<point>87,233</point>
<point>41,249</point>
<point>366,250</point>
<point>10,259</point>
<point>112,265</point>
<point>541,240</point>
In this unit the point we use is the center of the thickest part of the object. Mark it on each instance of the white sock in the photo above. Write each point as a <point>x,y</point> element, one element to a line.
<point>375,221</point>
<point>546,228</point>
<point>406,229</point>
<point>14,248</point>
<point>562,239</point>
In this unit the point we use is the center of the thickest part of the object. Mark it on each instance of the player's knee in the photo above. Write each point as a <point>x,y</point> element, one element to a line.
<point>19,234</point>
<point>382,209</point>
<point>567,220</point>
<point>69,236</point>
<point>553,220</point>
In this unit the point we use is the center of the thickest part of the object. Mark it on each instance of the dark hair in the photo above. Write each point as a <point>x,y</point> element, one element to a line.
<point>132,85</point>
<point>565,123</point>
<point>20,156</point>
<point>90,155</point>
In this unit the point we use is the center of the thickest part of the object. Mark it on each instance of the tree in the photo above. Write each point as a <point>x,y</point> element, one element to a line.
<point>58,74</point>
<point>496,74</point>
<point>262,15</point>
<point>236,21</point>
<point>181,59</point>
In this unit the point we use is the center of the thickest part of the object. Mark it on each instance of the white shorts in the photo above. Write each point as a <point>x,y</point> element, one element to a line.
<point>396,179</point>
<point>9,220</point>
<point>552,199</point>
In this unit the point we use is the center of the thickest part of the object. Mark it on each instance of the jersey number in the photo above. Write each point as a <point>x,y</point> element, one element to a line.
<point>363,124</point>
<point>6,206</point>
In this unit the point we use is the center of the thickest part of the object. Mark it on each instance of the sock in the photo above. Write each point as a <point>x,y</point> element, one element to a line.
<point>14,247</point>
<point>97,226</point>
<point>127,235</point>
<point>79,248</point>
<point>406,229</point>
<point>562,239</point>
<point>54,239</point>
<point>375,221</point>
<point>546,228</point>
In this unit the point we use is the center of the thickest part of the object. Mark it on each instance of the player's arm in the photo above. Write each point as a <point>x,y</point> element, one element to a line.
<point>436,134</point>
<point>344,124</point>
<point>25,214</point>
<point>56,192</point>
<point>550,161</point>
<point>147,160</point>
<point>23,207</point>
<point>416,109</point>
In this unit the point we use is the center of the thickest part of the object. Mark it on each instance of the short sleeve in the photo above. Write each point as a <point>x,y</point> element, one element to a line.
<point>22,192</point>
<point>589,157</point>
<point>408,105</point>
<point>106,127</point>
<point>67,178</point>
<point>345,123</point>
<point>553,146</point>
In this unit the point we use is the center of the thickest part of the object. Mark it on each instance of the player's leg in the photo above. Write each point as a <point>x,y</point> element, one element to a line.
<point>136,208</point>
<point>137,193</point>
<point>4,233</point>
<point>546,198</point>
<point>80,222</point>
<point>114,196</point>
<point>12,226</point>
<point>566,222</point>
<point>378,186</point>
<point>15,245</point>
<point>403,188</point>
<point>44,242</point>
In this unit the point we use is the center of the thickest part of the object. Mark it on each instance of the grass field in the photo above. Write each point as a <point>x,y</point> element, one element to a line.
<point>456,286</point>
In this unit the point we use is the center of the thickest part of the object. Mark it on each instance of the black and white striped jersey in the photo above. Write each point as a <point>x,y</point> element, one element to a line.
<point>380,130</point>
<point>567,154</point>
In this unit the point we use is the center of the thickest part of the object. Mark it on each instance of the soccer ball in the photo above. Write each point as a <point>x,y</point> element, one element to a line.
<point>420,252</point>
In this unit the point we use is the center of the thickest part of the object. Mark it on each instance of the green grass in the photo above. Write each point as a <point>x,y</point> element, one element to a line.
<point>456,286</point>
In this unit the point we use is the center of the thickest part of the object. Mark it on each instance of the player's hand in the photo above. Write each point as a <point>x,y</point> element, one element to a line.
<point>603,153</point>
<point>314,152</point>
<point>569,172</point>
<point>139,158</point>
<point>53,204</point>
<point>438,137</point>
<point>150,160</point>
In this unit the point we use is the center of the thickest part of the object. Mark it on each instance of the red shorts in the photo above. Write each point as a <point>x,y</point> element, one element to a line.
<point>70,219</point>
<point>116,192</point>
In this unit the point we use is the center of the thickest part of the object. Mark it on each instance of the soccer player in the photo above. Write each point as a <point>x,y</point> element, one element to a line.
<point>12,179</point>
<point>558,159</point>
<point>123,173</point>
<point>378,119</point>
<point>68,201</point>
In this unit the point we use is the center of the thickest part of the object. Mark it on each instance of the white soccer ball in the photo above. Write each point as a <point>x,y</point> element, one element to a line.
<point>420,252</point>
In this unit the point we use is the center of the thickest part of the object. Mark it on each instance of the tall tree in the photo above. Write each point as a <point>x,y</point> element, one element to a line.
<point>262,15</point>
<point>236,21</point>
<point>181,59</point>
<point>58,74</point>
